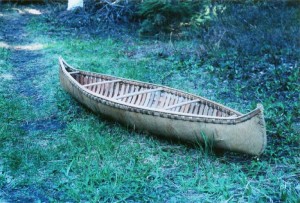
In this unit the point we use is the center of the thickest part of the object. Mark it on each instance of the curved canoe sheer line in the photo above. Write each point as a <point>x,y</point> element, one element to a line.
<point>166,111</point>
<point>144,96</point>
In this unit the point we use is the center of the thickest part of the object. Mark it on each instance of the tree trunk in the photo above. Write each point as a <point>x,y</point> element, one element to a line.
<point>74,4</point>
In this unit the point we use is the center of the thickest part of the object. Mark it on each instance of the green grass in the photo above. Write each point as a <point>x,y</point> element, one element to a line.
<point>72,155</point>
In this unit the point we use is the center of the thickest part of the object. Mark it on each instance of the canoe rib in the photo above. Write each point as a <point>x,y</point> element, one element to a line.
<point>181,104</point>
<point>227,128</point>
<point>136,93</point>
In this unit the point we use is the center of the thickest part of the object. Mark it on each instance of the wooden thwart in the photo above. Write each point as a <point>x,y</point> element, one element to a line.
<point>100,83</point>
<point>136,93</point>
<point>74,72</point>
<point>181,104</point>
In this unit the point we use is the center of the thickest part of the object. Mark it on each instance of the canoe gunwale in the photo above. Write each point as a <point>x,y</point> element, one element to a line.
<point>155,111</point>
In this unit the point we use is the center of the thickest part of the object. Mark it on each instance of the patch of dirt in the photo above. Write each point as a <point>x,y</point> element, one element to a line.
<point>6,76</point>
<point>48,124</point>
<point>26,60</point>
<point>28,194</point>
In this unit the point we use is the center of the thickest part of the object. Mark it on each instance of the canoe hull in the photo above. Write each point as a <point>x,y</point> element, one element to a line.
<point>248,136</point>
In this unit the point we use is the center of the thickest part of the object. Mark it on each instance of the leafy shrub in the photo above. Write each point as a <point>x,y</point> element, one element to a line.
<point>206,13</point>
<point>164,15</point>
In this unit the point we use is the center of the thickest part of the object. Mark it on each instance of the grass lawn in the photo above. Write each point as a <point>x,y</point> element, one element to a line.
<point>52,149</point>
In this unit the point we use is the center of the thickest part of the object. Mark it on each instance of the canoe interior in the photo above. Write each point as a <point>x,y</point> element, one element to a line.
<point>150,96</point>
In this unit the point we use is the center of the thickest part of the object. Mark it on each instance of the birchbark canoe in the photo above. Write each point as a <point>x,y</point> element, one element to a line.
<point>166,111</point>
